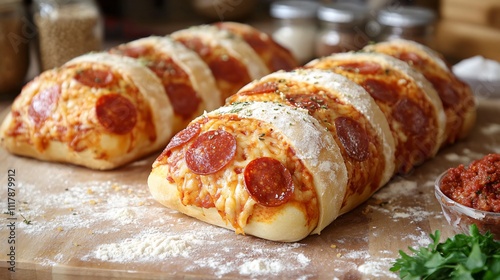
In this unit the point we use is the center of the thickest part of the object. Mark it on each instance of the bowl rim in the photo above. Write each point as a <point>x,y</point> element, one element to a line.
<point>446,201</point>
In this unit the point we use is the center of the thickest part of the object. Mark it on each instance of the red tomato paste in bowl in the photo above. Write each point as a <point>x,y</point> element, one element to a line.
<point>477,186</point>
<point>472,195</point>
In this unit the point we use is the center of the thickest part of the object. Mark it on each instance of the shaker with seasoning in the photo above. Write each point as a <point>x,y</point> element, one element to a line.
<point>296,27</point>
<point>407,22</point>
<point>341,28</point>
<point>14,45</point>
<point>66,29</point>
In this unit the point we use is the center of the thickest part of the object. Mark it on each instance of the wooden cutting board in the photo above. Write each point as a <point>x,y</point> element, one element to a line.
<point>72,222</point>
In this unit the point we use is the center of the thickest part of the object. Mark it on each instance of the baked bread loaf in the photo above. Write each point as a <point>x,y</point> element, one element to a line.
<point>232,61</point>
<point>457,98</point>
<point>187,80</point>
<point>98,110</point>
<point>409,102</point>
<point>291,151</point>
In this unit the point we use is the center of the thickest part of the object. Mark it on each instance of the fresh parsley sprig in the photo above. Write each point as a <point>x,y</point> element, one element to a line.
<point>473,256</point>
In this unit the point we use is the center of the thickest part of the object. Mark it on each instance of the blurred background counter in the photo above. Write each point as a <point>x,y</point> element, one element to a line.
<point>458,29</point>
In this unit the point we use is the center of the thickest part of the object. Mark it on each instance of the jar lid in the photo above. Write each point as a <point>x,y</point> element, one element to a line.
<point>342,12</point>
<point>294,9</point>
<point>406,16</point>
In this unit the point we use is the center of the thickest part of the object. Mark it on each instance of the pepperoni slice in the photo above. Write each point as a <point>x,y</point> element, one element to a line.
<point>307,101</point>
<point>412,59</point>
<point>168,68</point>
<point>195,44</point>
<point>362,67</point>
<point>210,152</point>
<point>381,91</point>
<point>183,137</point>
<point>411,116</point>
<point>116,113</point>
<point>43,104</point>
<point>95,77</point>
<point>268,181</point>
<point>261,88</point>
<point>353,137</point>
<point>256,42</point>
<point>263,45</point>
<point>133,51</point>
<point>447,93</point>
<point>280,62</point>
<point>229,69</point>
<point>252,38</point>
<point>184,99</point>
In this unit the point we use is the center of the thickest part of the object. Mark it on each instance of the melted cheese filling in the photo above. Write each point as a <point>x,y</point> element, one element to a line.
<point>74,119</point>
<point>225,190</point>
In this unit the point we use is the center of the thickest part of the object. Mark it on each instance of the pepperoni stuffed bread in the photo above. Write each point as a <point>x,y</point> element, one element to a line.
<point>186,78</point>
<point>409,102</point>
<point>98,110</point>
<point>275,56</point>
<point>347,112</point>
<point>260,168</point>
<point>457,98</point>
<point>232,61</point>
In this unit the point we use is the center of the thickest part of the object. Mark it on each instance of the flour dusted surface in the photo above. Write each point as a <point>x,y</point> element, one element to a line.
<point>79,217</point>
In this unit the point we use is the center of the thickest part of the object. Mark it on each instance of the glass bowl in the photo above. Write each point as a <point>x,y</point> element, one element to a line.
<point>460,217</point>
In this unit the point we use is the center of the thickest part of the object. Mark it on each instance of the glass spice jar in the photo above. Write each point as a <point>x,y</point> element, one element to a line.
<point>407,22</point>
<point>14,46</point>
<point>341,28</point>
<point>295,27</point>
<point>66,29</point>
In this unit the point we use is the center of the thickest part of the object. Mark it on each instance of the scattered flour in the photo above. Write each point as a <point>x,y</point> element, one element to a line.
<point>420,240</point>
<point>265,266</point>
<point>397,188</point>
<point>262,266</point>
<point>377,269</point>
<point>258,261</point>
<point>107,209</point>
<point>491,129</point>
<point>104,201</point>
<point>453,157</point>
<point>147,247</point>
<point>417,214</point>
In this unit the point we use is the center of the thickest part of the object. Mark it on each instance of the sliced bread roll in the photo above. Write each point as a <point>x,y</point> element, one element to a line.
<point>99,110</point>
<point>260,168</point>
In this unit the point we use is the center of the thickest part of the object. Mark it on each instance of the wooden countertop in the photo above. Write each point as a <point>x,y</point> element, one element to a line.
<point>78,223</point>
